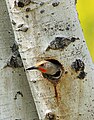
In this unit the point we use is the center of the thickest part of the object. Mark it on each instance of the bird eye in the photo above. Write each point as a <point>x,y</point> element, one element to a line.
<point>42,65</point>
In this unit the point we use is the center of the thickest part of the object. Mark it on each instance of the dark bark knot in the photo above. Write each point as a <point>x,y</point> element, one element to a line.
<point>79,66</point>
<point>81,75</point>
<point>15,60</point>
<point>60,43</point>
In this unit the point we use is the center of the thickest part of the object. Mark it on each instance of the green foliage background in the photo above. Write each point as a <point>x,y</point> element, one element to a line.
<point>85,10</point>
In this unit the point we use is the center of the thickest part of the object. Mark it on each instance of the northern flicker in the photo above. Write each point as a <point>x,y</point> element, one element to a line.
<point>50,69</point>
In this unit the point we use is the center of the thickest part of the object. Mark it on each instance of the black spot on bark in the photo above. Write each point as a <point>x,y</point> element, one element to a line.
<point>18,93</point>
<point>52,13</point>
<point>42,11</point>
<point>50,116</point>
<point>45,29</point>
<point>73,39</point>
<point>81,75</point>
<point>27,16</point>
<point>42,3</point>
<point>55,4</point>
<point>78,65</point>
<point>17,119</point>
<point>66,72</point>
<point>28,9</point>
<point>20,4</point>
<point>67,28</point>
<point>13,22</point>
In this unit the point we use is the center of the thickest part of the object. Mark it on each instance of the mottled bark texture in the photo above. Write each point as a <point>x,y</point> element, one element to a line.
<point>51,23</point>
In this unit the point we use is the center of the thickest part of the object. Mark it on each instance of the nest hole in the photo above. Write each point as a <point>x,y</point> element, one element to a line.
<point>55,77</point>
<point>54,61</point>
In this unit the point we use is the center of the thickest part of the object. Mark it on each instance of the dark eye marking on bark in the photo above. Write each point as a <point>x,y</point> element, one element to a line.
<point>60,43</point>
<point>15,60</point>
<point>79,66</point>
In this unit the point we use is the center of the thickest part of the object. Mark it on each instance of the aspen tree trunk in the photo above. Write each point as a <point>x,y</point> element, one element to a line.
<point>35,25</point>
<point>16,102</point>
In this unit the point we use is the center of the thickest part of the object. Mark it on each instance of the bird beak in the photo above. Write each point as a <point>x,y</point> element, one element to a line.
<point>31,68</point>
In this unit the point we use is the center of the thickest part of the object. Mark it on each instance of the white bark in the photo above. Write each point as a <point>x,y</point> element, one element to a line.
<point>44,23</point>
<point>12,80</point>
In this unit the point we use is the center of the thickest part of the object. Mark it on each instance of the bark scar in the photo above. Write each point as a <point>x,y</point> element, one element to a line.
<point>56,93</point>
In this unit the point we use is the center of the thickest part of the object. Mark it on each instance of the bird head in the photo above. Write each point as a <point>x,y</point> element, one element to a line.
<point>41,66</point>
<point>45,67</point>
